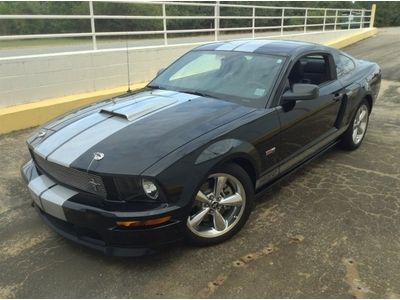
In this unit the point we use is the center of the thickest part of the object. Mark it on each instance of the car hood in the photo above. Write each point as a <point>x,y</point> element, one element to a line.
<point>131,132</point>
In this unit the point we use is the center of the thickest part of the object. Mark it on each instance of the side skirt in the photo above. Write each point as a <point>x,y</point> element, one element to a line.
<point>263,189</point>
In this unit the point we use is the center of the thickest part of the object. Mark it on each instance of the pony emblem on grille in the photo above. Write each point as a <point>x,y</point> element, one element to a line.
<point>94,184</point>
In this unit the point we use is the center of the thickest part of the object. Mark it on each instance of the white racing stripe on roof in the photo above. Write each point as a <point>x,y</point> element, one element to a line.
<point>228,46</point>
<point>252,45</point>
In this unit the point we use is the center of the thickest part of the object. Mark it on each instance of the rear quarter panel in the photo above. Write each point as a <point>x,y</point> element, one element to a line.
<point>362,83</point>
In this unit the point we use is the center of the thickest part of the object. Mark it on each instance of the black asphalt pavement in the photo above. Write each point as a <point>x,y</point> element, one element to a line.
<point>329,230</point>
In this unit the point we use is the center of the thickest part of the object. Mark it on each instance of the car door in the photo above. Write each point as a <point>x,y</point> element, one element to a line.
<point>345,67</point>
<point>309,123</point>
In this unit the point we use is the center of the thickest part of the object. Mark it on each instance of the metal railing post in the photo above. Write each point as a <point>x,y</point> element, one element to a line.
<point>253,23</point>
<point>372,16</point>
<point>282,20</point>
<point>216,20</point>
<point>164,13</point>
<point>323,27</point>
<point>350,16</point>
<point>305,20</point>
<point>92,25</point>
<point>362,19</point>
<point>336,15</point>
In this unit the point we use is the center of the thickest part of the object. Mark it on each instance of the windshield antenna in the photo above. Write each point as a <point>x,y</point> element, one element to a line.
<point>127,65</point>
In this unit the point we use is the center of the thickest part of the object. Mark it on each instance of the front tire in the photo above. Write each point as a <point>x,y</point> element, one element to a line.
<point>354,135</point>
<point>221,206</point>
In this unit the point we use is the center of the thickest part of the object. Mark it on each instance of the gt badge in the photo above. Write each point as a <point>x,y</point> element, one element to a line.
<point>270,151</point>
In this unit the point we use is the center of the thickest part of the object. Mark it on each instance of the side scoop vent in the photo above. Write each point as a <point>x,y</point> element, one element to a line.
<point>137,110</point>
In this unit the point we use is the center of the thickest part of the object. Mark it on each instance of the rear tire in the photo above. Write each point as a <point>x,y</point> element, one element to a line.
<point>221,206</point>
<point>354,135</point>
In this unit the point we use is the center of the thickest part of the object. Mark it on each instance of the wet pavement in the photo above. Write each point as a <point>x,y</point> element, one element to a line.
<point>329,230</point>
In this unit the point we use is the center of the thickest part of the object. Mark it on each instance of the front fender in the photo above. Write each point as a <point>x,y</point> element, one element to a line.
<point>181,186</point>
<point>229,149</point>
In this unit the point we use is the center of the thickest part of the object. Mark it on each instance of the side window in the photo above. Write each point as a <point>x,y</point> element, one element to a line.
<point>344,64</point>
<point>313,69</point>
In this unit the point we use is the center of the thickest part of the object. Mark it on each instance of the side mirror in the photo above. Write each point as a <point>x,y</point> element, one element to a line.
<point>160,71</point>
<point>301,91</point>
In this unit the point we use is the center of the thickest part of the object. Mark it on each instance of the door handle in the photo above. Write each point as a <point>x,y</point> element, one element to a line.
<point>337,97</point>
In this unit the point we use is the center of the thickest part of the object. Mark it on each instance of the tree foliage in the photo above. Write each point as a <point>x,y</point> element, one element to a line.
<point>388,14</point>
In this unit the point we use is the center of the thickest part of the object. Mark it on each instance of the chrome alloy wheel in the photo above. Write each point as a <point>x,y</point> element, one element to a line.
<point>360,124</point>
<point>218,206</point>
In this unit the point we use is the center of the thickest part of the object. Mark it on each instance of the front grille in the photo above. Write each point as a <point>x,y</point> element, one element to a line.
<point>67,176</point>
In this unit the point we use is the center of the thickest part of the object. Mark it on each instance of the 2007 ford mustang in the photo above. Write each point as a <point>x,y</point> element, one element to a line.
<point>184,157</point>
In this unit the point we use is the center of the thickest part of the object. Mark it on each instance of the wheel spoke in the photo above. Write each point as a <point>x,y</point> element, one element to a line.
<point>362,116</point>
<point>355,131</point>
<point>198,218</point>
<point>355,124</point>
<point>360,130</point>
<point>234,200</point>
<point>363,126</point>
<point>201,197</point>
<point>219,221</point>
<point>359,116</point>
<point>219,185</point>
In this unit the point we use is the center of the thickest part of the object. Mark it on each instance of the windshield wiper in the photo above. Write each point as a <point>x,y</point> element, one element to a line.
<point>192,92</point>
<point>197,93</point>
<point>156,87</point>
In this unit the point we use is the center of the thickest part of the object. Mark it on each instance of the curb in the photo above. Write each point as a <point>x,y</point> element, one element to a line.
<point>352,39</point>
<point>33,114</point>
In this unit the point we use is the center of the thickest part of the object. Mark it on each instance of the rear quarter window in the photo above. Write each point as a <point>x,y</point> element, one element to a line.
<point>344,64</point>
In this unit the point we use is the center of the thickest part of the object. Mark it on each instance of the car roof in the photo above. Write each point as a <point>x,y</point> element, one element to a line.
<point>273,47</point>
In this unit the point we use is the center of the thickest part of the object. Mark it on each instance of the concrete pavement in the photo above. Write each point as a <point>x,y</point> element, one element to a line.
<point>329,231</point>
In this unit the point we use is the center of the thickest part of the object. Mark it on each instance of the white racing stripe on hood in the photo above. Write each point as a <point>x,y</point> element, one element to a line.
<point>78,145</point>
<point>134,112</point>
<point>67,132</point>
<point>63,135</point>
<point>86,139</point>
<point>121,103</point>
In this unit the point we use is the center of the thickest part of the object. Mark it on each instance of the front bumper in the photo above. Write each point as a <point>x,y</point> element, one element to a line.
<point>96,228</point>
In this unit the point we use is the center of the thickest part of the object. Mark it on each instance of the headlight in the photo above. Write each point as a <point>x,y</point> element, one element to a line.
<point>150,188</point>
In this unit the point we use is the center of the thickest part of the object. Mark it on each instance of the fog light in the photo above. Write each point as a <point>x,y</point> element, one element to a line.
<point>149,188</point>
<point>150,222</point>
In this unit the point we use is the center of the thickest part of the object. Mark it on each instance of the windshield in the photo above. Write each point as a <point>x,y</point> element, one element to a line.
<point>245,78</point>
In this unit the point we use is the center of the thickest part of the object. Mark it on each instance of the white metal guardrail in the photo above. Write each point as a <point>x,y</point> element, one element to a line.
<point>308,20</point>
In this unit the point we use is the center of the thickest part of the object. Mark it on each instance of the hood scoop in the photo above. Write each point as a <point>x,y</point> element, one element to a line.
<point>137,110</point>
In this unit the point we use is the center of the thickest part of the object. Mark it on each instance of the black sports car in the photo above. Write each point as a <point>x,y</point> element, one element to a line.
<point>185,156</point>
